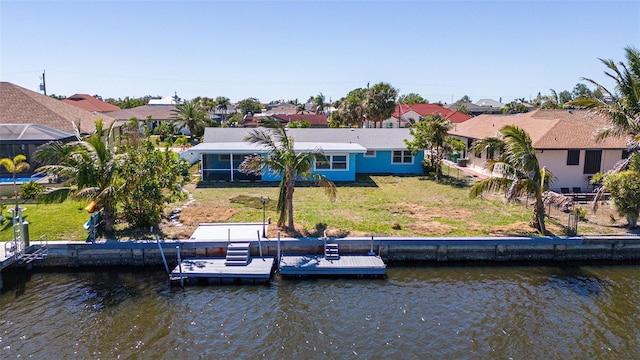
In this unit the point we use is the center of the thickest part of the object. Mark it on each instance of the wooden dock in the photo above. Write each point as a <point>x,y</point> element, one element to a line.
<point>215,271</point>
<point>344,265</point>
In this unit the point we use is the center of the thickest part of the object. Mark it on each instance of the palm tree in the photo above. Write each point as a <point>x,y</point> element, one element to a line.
<point>622,106</point>
<point>15,166</point>
<point>285,162</point>
<point>318,103</point>
<point>380,102</point>
<point>91,165</point>
<point>301,108</point>
<point>432,134</point>
<point>192,116</point>
<point>521,172</point>
<point>222,104</point>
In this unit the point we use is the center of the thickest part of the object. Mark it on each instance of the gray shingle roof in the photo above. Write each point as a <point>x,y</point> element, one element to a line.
<point>371,139</point>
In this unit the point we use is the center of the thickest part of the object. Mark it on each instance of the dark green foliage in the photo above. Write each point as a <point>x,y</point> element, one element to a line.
<point>151,178</point>
<point>30,190</point>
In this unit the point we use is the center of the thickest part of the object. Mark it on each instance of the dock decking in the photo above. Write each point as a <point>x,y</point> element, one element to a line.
<point>356,265</point>
<point>214,270</point>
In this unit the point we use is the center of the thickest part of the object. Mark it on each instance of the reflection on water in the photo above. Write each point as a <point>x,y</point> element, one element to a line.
<point>416,313</point>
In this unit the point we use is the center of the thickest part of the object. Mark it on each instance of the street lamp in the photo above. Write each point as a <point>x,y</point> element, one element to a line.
<point>263,200</point>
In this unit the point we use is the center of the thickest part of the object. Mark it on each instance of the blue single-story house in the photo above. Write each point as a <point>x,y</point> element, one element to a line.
<point>349,152</point>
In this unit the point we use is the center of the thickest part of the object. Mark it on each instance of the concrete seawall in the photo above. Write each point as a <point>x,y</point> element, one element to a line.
<point>437,250</point>
<point>397,250</point>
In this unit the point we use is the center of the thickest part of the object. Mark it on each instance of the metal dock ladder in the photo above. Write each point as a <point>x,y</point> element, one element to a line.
<point>237,254</point>
<point>331,251</point>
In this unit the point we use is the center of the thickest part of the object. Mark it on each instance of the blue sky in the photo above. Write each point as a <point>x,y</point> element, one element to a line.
<point>294,49</point>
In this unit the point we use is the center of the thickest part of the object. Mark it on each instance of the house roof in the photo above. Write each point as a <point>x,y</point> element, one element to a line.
<point>430,109</point>
<point>31,132</point>
<point>22,106</point>
<point>548,129</point>
<point>167,100</point>
<point>490,102</point>
<point>370,139</point>
<point>474,108</point>
<point>157,112</point>
<point>89,103</point>
<point>315,120</point>
<point>243,146</point>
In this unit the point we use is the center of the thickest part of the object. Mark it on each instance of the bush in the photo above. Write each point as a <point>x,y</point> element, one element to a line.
<point>181,140</point>
<point>582,213</point>
<point>30,190</point>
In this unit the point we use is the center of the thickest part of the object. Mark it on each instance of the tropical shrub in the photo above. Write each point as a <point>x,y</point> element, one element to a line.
<point>30,190</point>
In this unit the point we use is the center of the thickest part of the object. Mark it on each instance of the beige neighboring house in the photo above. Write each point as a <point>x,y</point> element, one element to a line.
<point>150,115</point>
<point>564,142</point>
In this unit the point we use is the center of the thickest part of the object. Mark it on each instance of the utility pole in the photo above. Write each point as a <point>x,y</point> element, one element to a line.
<point>43,85</point>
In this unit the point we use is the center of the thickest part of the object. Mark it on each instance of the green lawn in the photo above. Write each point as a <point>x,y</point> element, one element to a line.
<point>380,205</point>
<point>56,221</point>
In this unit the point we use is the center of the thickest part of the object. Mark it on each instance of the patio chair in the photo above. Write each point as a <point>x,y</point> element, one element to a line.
<point>565,191</point>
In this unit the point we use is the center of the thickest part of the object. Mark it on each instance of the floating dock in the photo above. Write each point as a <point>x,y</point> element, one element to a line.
<point>216,271</point>
<point>344,265</point>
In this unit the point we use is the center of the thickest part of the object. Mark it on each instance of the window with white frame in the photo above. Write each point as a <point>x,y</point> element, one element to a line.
<point>402,157</point>
<point>370,153</point>
<point>334,162</point>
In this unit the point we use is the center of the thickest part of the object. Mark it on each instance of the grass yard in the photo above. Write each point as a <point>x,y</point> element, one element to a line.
<point>57,221</point>
<point>379,205</point>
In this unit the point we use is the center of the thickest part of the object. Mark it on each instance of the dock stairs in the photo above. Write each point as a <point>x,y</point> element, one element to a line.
<point>331,252</point>
<point>237,254</point>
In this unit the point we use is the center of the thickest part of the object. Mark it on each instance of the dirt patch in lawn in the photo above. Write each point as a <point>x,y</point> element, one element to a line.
<point>194,215</point>
<point>423,213</point>
<point>430,227</point>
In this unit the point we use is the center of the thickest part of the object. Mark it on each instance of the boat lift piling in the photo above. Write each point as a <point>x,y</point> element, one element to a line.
<point>180,266</point>
<point>164,259</point>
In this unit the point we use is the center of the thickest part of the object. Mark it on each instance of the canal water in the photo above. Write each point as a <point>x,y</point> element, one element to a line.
<point>503,312</point>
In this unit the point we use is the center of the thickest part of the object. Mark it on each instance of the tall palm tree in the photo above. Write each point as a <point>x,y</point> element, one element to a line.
<point>521,172</point>
<point>318,103</point>
<point>284,161</point>
<point>192,116</point>
<point>222,104</point>
<point>622,106</point>
<point>380,102</point>
<point>92,168</point>
<point>15,166</point>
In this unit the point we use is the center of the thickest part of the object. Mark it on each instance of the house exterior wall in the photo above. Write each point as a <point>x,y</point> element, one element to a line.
<point>567,176</point>
<point>348,174</point>
<point>573,175</point>
<point>381,164</point>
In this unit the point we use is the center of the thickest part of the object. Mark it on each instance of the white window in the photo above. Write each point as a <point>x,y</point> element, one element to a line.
<point>370,153</point>
<point>334,162</point>
<point>402,157</point>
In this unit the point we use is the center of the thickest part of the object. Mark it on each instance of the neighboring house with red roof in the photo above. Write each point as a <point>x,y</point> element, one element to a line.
<point>315,120</point>
<point>407,114</point>
<point>90,103</point>
<point>564,141</point>
<point>29,119</point>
